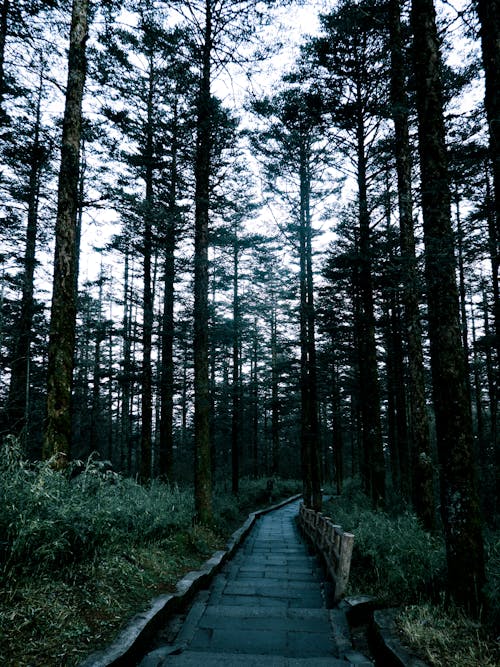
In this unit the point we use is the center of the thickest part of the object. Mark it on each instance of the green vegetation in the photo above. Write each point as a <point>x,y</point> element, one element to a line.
<point>394,559</point>
<point>81,553</point>
<point>446,636</point>
<point>402,565</point>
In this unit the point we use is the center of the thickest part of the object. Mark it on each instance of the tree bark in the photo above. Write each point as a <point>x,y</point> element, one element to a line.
<point>147,326</point>
<point>373,460</point>
<point>18,398</point>
<point>236,390</point>
<point>312,382</point>
<point>254,378</point>
<point>494,382</point>
<point>166,458</point>
<point>57,437</point>
<point>96,435</point>
<point>203,481</point>
<point>489,16</point>
<point>311,458</point>
<point>275,401</point>
<point>4,27</point>
<point>459,499</point>
<point>422,478</point>
<point>337,432</point>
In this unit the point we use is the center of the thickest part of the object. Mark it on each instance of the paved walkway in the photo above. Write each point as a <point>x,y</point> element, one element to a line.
<point>265,609</point>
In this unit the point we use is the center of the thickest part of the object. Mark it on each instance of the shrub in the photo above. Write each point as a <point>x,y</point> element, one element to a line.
<point>492,589</point>
<point>393,557</point>
<point>49,519</point>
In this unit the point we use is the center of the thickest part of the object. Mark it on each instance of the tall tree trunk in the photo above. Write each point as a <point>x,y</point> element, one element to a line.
<point>356,439</point>
<point>459,499</point>
<point>462,288</point>
<point>4,28</point>
<point>490,375</point>
<point>213,390</point>
<point>111,442</point>
<point>148,315</point>
<point>312,382</point>
<point>255,401</point>
<point>392,440</point>
<point>166,458</point>
<point>96,435</point>
<point>337,432</point>
<point>494,383</point>
<point>135,394</point>
<point>57,437</point>
<point>422,478</point>
<point>478,390</point>
<point>126,373</point>
<point>489,16</point>
<point>18,398</point>
<point>373,462</point>
<point>311,461</point>
<point>494,453</point>
<point>203,481</point>
<point>275,401</point>
<point>236,389</point>
<point>400,397</point>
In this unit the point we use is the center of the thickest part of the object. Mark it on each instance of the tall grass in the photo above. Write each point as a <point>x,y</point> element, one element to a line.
<point>82,551</point>
<point>49,519</point>
<point>393,557</point>
<point>402,565</point>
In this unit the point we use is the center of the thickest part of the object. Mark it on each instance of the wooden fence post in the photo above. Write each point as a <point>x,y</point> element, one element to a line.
<point>335,545</point>
<point>344,565</point>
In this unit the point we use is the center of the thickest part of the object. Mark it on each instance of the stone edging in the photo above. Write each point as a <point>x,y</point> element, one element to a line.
<point>384,637</point>
<point>127,646</point>
<point>382,631</point>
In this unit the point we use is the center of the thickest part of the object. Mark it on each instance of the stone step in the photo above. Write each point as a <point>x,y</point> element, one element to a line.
<point>304,616</point>
<point>272,641</point>
<point>267,607</point>
<point>217,659</point>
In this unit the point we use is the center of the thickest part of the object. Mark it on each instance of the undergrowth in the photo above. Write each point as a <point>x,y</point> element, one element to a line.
<point>398,562</point>
<point>82,551</point>
<point>394,558</point>
<point>444,636</point>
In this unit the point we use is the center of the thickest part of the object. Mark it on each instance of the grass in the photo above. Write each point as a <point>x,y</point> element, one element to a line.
<point>400,564</point>
<point>48,620</point>
<point>79,556</point>
<point>444,636</point>
<point>394,559</point>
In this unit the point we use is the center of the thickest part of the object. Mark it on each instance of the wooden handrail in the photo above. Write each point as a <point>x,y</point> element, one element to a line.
<point>333,543</point>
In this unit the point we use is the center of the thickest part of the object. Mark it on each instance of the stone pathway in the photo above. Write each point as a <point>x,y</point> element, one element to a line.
<point>265,609</point>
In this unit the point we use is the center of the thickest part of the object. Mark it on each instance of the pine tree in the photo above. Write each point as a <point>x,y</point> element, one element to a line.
<point>459,502</point>
<point>422,478</point>
<point>489,16</point>
<point>57,439</point>
<point>350,56</point>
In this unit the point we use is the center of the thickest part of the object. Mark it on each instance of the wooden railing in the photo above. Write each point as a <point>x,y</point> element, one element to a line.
<point>332,542</point>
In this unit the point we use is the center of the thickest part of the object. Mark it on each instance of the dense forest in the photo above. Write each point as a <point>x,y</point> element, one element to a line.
<point>230,249</point>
